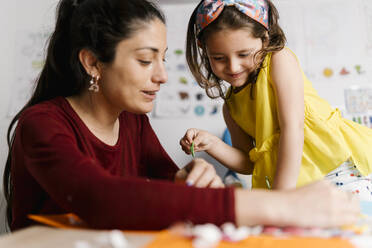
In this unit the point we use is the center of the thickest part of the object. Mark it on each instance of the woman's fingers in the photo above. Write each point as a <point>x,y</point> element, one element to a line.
<point>197,169</point>
<point>202,174</point>
<point>181,175</point>
<point>205,177</point>
<point>216,183</point>
<point>350,208</point>
<point>323,205</point>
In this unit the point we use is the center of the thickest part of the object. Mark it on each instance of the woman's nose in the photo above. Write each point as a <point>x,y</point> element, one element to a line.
<point>160,74</point>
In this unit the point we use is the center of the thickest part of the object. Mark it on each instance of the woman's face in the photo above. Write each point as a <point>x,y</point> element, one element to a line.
<point>231,55</point>
<point>132,80</point>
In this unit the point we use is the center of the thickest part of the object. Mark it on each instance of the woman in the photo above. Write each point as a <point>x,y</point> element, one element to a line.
<point>83,143</point>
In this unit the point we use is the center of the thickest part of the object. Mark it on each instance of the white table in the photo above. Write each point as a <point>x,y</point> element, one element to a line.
<point>48,237</point>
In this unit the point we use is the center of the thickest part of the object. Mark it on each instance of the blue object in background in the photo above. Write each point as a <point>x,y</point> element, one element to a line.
<point>231,178</point>
<point>199,110</point>
<point>366,208</point>
<point>226,137</point>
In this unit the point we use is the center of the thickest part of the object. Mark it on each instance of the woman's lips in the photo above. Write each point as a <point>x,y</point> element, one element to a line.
<point>150,94</point>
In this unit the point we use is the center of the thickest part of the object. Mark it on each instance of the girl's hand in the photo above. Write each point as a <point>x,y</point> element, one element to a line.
<point>199,173</point>
<point>203,140</point>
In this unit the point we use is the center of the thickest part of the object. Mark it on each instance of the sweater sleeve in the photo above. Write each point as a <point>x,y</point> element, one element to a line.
<point>157,161</point>
<point>79,185</point>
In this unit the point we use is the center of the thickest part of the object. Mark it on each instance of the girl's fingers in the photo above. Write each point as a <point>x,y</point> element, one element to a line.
<point>190,135</point>
<point>202,141</point>
<point>197,140</point>
<point>185,147</point>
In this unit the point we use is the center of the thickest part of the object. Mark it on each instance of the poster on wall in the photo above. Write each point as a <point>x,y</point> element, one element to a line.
<point>358,103</point>
<point>29,59</point>
<point>332,52</point>
<point>367,12</point>
<point>181,96</point>
<point>342,52</point>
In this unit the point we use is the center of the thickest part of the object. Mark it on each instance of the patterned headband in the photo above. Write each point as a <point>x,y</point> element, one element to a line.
<point>209,10</point>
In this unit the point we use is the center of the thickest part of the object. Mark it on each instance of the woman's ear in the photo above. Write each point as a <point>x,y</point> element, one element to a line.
<point>89,61</point>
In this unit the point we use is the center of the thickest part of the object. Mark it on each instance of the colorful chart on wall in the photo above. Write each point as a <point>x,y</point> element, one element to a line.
<point>181,96</point>
<point>358,103</point>
<point>332,50</point>
<point>329,45</point>
<point>331,38</point>
<point>29,62</point>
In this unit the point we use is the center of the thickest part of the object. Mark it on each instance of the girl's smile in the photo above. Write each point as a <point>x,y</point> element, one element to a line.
<point>231,55</point>
<point>236,75</point>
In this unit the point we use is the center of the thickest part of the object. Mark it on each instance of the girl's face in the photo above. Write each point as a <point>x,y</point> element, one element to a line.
<point>231,55</point>
<point>132,80</point>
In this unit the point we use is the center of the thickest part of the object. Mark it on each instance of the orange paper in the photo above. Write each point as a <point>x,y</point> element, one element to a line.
<point>60,221</point>
<point>71,221</point>
<point>171,240</point>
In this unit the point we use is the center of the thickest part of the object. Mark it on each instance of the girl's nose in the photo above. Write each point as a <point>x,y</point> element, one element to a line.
<point>233,66</point>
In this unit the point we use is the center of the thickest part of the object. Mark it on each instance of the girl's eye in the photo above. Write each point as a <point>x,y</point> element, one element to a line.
<point>243,55</point>
<point>218,58</point>
<point>144,62</point>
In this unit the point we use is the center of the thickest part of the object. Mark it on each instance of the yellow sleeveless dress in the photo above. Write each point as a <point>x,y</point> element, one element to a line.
<point>329,139</point>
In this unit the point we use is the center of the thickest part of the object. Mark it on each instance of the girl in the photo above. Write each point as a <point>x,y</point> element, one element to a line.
<point>282,131</point>
<point>83,143</point>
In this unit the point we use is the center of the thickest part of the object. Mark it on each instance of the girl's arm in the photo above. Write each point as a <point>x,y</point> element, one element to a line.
<point>289,87</point>
<point>235,157</point>
<point>240,140</point>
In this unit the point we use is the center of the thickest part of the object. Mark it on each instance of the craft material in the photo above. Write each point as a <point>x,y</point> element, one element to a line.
<point>267,182</point>
<point>192,149</point>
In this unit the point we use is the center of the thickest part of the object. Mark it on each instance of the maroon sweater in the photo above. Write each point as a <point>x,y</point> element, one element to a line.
<point>59,166</point>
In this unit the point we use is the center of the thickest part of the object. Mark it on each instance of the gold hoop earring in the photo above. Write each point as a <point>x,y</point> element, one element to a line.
<point>94,84</point>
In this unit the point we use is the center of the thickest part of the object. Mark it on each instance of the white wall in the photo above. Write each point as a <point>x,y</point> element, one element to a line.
<point>7,23</point>
<point>171,129</point>
<point>15,18</point>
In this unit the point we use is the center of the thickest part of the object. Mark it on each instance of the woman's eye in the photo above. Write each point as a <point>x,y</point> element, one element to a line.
<point>218,58</point>
<point>144,62</point>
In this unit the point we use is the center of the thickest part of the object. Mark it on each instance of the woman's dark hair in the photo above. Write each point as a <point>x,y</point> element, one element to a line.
<point>96,25</point>
<point>233,19</point>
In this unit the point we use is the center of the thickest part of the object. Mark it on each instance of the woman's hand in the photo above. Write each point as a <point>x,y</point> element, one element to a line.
<point>203,140</point>
<point>318,204</point>
<point>323,205</point>
<point>199,173</point>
